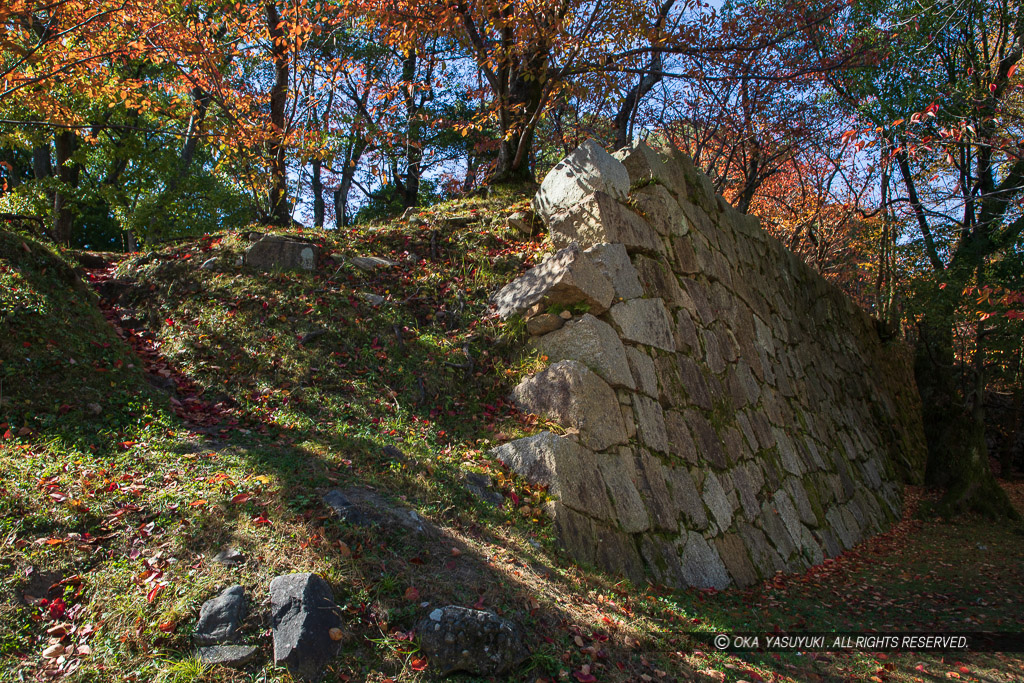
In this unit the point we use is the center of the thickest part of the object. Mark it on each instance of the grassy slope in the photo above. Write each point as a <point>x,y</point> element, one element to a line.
<point>119,493</point>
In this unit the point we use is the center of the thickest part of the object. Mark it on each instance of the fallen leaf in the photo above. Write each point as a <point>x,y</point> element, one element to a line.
<point>411,594</point>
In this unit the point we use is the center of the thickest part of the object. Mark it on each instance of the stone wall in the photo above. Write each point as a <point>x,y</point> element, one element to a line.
<point>727,412</point>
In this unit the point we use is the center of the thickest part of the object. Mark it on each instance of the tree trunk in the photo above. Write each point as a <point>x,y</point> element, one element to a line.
<point>631,103</point>
<point>65,144</point>
<point>280,211</point>
<point>195,125</point>
<point>508,169</point>
<point>414,139</point>
<point>42,167</point>
<point>957,454</point>
<point>518,118</point>
<point>318,195</point>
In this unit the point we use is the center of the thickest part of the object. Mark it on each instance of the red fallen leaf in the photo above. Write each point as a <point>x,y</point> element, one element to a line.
<point>479,604</point>
<point>57,609</point>
<point>197,503</point>
<point>261,520</point>
<point>415,560</point>
<point>584,678</point>
<point>241,498</point>
<point>412,594</point>
<point>167,626</point>
<point>418,664</point>
<point>964,670</point>
<point>151,595</point>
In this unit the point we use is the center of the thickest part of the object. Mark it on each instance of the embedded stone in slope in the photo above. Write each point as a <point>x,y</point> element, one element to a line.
<point>565,278</point>
<point>474,641</point>
<point>302,613</point>
<point>574,396</point>
<point>368,264</point>
<point>592,342</point>
<point>273,252</point>
<point>220,617</point>
<point>234,656</point>
<point>587,170</point>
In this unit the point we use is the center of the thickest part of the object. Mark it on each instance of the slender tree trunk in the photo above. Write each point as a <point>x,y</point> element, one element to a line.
<point>318,195</point>
<point>195,126</point>
<point>414,139</point>
<point>280,211</point>
<point>631,103</point>
<point>65,144</point>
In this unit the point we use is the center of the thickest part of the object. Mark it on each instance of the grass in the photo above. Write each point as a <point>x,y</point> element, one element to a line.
<point>202,414</point>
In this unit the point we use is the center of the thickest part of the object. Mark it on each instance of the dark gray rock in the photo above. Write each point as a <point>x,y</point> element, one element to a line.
<point>345,509</point>
<point>302,613</point>
<point>220,617</point>
<point>369,264</point>
<point>477,642</point>
<point>280,253</point>
<point>234,656</point>
<point>482,486</point>
<point>229,557</point>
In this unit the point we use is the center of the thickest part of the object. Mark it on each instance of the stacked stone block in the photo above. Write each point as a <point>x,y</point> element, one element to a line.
<point>728,413</point>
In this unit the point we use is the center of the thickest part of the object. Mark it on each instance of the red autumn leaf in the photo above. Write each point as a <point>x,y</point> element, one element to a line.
<point>151,595</point>
<point>57,609</point>
<point>584,678</point>
<point>166,626</point>
<point>241,498</point>
<point>412,594</point>
<point>197,503</point>
<point>418,664</point>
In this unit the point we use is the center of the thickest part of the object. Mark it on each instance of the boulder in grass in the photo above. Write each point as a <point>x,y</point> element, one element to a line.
<point>220,617</point>
<point>303,614</point>
<point>273,252</point>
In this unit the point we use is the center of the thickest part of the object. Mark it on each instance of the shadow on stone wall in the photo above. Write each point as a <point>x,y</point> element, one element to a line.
<point>729,414</point>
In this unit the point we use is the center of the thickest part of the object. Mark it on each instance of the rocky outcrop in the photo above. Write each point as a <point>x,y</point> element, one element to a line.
<point>729,414</point>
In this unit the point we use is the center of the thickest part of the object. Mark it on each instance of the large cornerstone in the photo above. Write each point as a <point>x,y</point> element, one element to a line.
<point>727,413</point>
